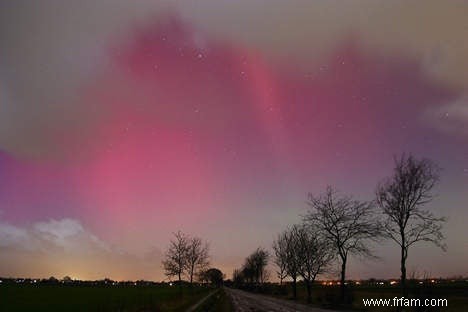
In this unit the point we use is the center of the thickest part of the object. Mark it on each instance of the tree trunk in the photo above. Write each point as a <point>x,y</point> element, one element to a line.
<point>180,284</point>
<point>309,296</point>
<point>404,290</point>
<point>342,281</point>
<point>294,288</point>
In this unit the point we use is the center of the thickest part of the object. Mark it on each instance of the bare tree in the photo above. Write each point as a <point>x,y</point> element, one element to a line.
<point>315,256</point>
<point>254,269</point>
<point>197,257</point>
<point>401,198</point>
<point>238,277</point>
<point>175,259</point>
<point>260,260</point>
<point>347,224</point>
<point>248,273</point>
<point>286,255</point>
<point>280,246</point>
<point>293,261</point>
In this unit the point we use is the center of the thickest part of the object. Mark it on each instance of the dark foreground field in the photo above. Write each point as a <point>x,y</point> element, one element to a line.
<point>58,297</point>
<point>98,298</point>
<point>328,296</point>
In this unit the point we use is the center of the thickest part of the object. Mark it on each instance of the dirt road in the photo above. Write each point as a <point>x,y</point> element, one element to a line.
<point>248,302</point>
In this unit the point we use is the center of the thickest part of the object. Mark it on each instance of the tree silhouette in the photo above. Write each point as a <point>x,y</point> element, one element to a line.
<point>238,277</point>
<point>185,255</point>
<point>347,224</point>
<point>253,270</point>
<point>197,257</point>
<point>401,198</point>
<point>286,249</point>
<point>280,248</point>
<point>314,254</point>
<point>213,276</point>
<point>176,256</point>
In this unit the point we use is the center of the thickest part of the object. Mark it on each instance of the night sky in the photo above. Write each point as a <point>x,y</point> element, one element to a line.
<point>124,121</point>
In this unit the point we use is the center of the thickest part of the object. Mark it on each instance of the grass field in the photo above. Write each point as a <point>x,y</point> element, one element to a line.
<point>219,302</point>
<point>98,298</point>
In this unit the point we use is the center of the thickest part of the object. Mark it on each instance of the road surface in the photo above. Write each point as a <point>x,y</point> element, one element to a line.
<point>247,302</point>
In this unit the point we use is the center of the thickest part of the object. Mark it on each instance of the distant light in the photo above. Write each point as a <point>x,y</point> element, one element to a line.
<point>433,281</point>
<point>358,283</point>
<point>420,282</point>
<point>170,284</point>
<point>393,282</point>
<point>381,283</point>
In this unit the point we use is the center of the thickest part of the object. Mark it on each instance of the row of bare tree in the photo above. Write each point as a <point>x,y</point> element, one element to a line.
<point>187,256</point>
<point>300,252</point>
<point>337,227</point>
<point>253,270</point>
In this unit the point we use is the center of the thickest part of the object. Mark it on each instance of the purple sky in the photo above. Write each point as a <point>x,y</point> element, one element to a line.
<point>122,122</point>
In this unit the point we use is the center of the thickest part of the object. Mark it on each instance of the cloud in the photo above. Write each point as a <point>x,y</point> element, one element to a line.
<point>450,118</point>
<point>65,247</point>
<point>66,236</point>
<point>69,235</point>
<point>12,236</point>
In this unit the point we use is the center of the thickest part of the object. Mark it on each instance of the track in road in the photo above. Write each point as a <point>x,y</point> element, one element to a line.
<point>247,302</point>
